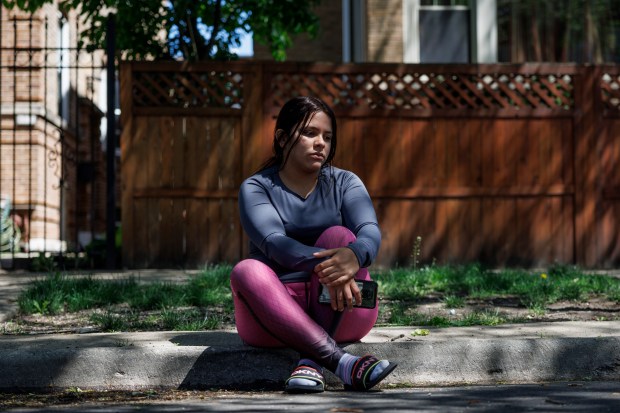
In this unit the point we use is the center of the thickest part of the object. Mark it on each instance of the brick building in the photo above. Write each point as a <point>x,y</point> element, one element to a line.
<point>52,165</point>
<point>388,31</point>
<point>460,31</point>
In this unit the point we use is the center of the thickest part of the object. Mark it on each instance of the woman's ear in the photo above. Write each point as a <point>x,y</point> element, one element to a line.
<point>281,137</point>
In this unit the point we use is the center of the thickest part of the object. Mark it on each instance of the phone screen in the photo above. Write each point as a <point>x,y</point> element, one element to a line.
<point>368,290</point>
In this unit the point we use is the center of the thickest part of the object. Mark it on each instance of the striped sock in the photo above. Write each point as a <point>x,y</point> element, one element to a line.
<point>345,367</point>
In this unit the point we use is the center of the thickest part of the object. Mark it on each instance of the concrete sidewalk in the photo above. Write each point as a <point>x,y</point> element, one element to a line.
<point>526,353</point>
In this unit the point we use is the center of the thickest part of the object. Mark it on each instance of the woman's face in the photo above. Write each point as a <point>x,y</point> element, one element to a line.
<point>310,151</point>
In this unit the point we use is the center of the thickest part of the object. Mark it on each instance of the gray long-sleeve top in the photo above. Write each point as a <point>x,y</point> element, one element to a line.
<point>283,226</point>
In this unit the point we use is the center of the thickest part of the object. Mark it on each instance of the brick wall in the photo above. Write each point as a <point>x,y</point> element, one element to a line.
<point>384,30</point>
<point>39,157</point>
<point>30,176</point>
<point>384,25</point>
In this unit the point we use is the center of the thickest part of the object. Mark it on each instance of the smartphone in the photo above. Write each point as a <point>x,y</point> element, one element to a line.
<point>368,289</point>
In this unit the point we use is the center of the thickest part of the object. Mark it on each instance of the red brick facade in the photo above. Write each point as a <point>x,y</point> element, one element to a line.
<point>39,151</point>
<point>384,23</point>
<point>383,40</point>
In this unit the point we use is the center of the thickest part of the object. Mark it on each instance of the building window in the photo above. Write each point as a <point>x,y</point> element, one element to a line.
<point>437,31</point>
<point>64,64</point>
<point>450,31</point>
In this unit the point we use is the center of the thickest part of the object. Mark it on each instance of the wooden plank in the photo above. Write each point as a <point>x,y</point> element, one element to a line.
<point>214,230</point>
<point>358,161</point>
<point>610,236</point>
<point>140,234</point>
<point>441,149</point>
<point>529,162</point>
<point>171,233</point>
<point>195,228</point>
<point>167,233</point>
<point>376,166</point>
<point>388,216</point>
<point>563,230</point>
<point>533,228</point>
<point>229,242</point>
<point>192,154</point>
<point>154,170</point>
<point>179,149</point>
<point>507,225</point>
<point>166,156</point>
<point>469,152</point>
<point>214,136</point>
<point>444,210</point>
<point>586,172</point>
<point>396,171</point>
<point>549,153</point>
<point>610,155</point>
<point>406,167</point>
<point>504,154</point>
<point>129,165</point>
<point>458,225</point>
<point>257,140</point>
<point>420,217</point>
<point>424,154</point>
<point>345,147</point>
<point>140,150</point>
<point>567,136</point>
<point>469,238</point>
<point>228,167</point>
<point>178,238</point>
<point>610,205</point>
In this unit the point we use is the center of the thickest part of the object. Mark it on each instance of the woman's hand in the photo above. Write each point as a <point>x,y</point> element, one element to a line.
<point>344,295</point>
<point>339,268</point>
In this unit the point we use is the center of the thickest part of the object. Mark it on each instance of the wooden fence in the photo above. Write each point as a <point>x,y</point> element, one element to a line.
<point>500,164</point>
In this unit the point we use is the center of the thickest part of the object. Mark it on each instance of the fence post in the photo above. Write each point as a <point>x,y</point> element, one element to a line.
<point>586,167</point>
<point>252,130</point>
<point>111,145</point>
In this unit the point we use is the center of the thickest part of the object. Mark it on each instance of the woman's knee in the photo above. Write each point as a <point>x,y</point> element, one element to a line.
<point>336,236</point>
<point>250,271</point>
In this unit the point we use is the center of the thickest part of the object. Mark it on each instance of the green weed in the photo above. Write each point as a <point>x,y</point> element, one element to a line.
<point>453,301</point>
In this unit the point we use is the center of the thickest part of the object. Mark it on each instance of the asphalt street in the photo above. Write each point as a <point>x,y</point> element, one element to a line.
<point>552,397</point>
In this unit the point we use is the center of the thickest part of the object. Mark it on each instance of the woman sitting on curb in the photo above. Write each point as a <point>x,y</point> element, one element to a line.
<point>310,225</point>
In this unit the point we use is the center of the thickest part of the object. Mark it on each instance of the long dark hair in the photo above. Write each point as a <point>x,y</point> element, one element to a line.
<point>294,117</point>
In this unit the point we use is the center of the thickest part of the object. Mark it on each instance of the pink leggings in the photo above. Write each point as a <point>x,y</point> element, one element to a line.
<point>269,313</point>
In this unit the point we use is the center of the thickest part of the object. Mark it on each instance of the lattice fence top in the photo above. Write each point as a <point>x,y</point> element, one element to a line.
<point>610,87</point>
<point>188,89</point>
<point>415,91</point>
<point>422,91</point>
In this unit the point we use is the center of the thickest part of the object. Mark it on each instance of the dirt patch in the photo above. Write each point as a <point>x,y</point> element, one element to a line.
<point>510,308</point>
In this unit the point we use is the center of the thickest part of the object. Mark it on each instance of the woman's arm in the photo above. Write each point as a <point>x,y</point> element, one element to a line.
<point>262,223</point>
<point>359,215</point>
<point>341,264</point>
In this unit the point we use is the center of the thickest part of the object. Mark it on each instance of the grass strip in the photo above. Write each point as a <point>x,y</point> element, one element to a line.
<point>204,301</point>
<point>534,288</point>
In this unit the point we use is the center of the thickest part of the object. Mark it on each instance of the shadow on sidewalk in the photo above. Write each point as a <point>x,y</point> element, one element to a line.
<point>253,368</point>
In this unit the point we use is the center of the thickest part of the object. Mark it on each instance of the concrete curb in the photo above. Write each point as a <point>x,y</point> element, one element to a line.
<point>527,353</point>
